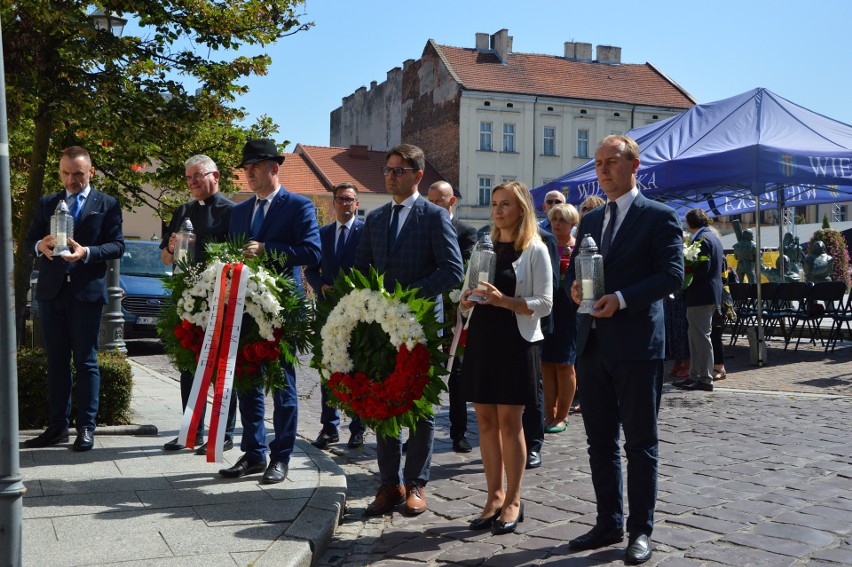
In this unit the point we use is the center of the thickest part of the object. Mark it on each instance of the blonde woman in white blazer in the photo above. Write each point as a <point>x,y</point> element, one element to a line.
<point>501,362</point>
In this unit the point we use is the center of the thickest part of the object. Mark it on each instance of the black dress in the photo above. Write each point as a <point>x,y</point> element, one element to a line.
<point>499,365</point>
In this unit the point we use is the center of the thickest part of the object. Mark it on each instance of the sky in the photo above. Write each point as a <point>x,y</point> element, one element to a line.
<point>799,50</point>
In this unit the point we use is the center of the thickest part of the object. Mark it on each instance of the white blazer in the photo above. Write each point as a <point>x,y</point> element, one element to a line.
<point>534,284</point>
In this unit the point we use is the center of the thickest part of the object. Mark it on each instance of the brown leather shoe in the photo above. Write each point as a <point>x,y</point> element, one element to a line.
<point>388,498</point>
<point>415,499</point>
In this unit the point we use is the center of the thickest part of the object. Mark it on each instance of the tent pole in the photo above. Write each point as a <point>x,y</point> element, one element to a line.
<point>759,271</point>
<point>782,267</point>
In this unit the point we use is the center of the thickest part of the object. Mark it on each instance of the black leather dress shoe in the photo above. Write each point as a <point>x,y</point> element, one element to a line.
<point>639,550</point>
<point>680,383</point>
<point>226,446</point>
<point>599,536</point>
<point>173,445</point>
<point>47,438</point>
<point>462,445</point>
<point>500,527</point>
<point>696,385</point>
<point>275,472</point>
<point>323,440</point>
<point>485,523</point>
<point>533,460</point>
<point>356,440</point>
<point>243,467</point>
<point>85,440</point>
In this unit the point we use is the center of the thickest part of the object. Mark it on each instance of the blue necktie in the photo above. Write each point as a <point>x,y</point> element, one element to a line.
<point>607,235</point>
<point>394,226</point>
<point>75,206</point>
<point>257,222</point>
<point>341,242</point>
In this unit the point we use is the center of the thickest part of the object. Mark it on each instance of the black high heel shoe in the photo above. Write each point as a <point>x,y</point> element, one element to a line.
<point>485,523</point>
<point>499,527</point>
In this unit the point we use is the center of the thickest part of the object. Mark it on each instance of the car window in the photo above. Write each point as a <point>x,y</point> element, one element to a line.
<point>143,259</point>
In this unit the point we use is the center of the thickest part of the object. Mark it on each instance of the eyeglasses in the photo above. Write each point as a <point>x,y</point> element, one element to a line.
<point>397,171</point>
<point>553,202</point>
<point>344,200</point>
<point>197,177</point>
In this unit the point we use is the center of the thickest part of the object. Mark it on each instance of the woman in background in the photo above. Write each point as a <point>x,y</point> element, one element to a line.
<point>501,361</point>
<point>558,351</point>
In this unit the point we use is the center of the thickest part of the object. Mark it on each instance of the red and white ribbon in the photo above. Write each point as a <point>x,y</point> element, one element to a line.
<point>217,359</point>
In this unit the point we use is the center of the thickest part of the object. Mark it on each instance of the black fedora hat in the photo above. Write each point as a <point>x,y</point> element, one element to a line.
<point>260,150</point>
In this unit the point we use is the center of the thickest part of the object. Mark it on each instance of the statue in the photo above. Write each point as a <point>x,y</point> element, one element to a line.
<point>790,275</point>
<point>745,251</point>
<point>818,264</point>
<point>793,251</point>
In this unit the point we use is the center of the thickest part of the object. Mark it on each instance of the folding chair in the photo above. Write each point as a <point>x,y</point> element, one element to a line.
<point>824,300</point>
<point>744,307</point>
<point>786,308</point>
<point>841,316</point>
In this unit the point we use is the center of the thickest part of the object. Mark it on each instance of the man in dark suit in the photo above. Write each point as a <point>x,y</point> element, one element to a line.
<point>339,241</point>
<point>71,293</point>
<point>410,241</point>
<point>620,347</point>
<point>283,222</point>
<point>441,194</point>
<point>210,214</point>
<point>702,298</point>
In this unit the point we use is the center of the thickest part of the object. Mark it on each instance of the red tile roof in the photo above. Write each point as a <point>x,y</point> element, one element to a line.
<point>549,75</point>
<point>315,170</point>
<point>357,165</point>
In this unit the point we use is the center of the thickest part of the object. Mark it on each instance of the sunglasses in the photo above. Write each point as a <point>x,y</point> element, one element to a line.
<point>554,202</point>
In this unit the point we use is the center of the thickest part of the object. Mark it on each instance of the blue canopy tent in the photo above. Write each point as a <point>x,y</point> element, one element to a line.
<point>733,155</point>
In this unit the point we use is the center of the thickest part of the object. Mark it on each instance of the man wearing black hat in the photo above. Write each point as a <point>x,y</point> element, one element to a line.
<point>283,222</point>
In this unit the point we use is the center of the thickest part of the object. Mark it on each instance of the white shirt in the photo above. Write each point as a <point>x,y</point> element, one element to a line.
<point>623,204</point>
<point>407,204</point>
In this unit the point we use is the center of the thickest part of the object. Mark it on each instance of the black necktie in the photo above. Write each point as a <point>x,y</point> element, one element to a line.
<point>394,226</point>
<point>257,222</point>
<point>607,235</point>
<point>341,242</point>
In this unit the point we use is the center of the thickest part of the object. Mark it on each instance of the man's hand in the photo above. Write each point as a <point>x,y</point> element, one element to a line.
<point>606,306</point>
<point>253,249</point>
<point>575,292</point>
<point>45,246</point>
<point>77,252</point>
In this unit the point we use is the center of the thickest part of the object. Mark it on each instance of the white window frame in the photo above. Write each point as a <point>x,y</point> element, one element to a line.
<point>583,143</point>
<point>485,182</point>
<point>486,139</point>
<point>551,151</point>
<point>509,138</point>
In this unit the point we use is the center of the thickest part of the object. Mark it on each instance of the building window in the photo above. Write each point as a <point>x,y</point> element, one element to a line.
<point>583,143</point>
<point>485,184</point>
<point>549,141</point>
<point>842,213</point>
<point>509,138</point>
<point>485,137</point>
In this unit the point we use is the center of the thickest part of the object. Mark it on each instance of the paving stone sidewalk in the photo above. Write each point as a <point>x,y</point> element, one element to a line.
<point>755,473</point>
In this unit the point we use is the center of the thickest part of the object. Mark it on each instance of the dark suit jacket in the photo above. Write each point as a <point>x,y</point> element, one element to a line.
<point>466,237</point>
<point>289,227</point>
<point>98,227</point>
<point>706,286</point>
<point>326,271</point>
<point>644,263</point>
<point>425,254</point>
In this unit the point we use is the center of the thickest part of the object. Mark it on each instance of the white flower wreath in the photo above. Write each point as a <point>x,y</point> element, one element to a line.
<point>368,306</point>
<point>261,304</point>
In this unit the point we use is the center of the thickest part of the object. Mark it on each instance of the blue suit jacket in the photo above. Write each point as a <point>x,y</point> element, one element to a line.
<point>425,254</point>
<point>98,227</point>
<point>644,263</point>
<point>326,271</point>
<point>289,227</point>
<point>706,286</point>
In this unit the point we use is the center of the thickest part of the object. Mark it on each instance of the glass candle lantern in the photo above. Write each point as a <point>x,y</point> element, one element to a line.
<point>481,267</point>
<point>184,245</point>
<point>62,228</point>
<point>590,274</point>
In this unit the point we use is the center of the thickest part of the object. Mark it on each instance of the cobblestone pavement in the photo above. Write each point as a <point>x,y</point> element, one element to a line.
<point>755,473</point>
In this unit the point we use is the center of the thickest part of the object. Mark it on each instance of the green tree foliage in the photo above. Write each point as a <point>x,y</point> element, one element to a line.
<point>141,103</point>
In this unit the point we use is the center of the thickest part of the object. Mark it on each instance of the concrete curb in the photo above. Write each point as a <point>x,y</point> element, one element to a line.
<point>312,531</point>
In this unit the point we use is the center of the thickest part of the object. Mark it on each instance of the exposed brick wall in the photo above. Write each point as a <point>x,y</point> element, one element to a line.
<point>430,112</point>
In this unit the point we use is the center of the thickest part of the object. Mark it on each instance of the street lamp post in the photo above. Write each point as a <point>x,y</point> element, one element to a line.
<point>111,335</point>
